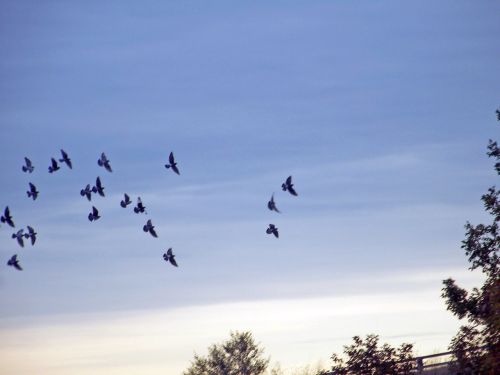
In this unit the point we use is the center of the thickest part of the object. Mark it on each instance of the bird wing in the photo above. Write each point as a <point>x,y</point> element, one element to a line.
<point>172,261</point>
<point>28,162</point>
<point>171,158</point>
<point>54,163</point>
<point>30,230</point>
<point>64,154</point>
<point>289,180</point>
<point>19,237</point>
<point>292,191</point>
<point>153,232</point>
<point>108,166</point>
<point>149,223</point>
<point>169,252</point>
<point>127,198</point>
<point>17,266</point>
<point>175,169</point>
<point>95,212</point>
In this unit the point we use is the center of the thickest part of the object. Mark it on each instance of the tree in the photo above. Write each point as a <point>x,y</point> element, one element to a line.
<point>365,357</point>
<point>476,346</point>
<point>239,355</point>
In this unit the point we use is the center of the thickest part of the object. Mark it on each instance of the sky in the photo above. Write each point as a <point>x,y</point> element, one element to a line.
<point>381,112</point>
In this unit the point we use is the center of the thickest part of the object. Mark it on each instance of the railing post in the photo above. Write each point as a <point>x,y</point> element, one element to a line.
<point>420,365</point>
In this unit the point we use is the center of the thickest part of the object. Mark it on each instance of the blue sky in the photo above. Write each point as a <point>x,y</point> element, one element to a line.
<point>380,110</point>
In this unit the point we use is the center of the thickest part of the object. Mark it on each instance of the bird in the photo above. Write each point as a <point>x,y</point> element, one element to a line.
<point>28,167</point>
<point>66,159</point>
<point>98,188</point>
<point>87,192</point>
<point>53,167</point>
<point>140,208</point>
<point>94,215</point>
<point>273,229</point>
<point>7,218</point>
<point>172,164</point>
<point>170,257</point>
<point>272,205</point>
<point>149,227</point>
<point>31,235</point>
<point>288,186</point>
<point>33,193</point>
<point>125,201</point>
<point>19,237</point>
<point>14,262</point>
<point>104,162</point>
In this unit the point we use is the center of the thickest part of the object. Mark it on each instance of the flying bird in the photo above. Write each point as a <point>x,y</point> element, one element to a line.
<point>272,205</point>
<point>19,237</point>
<point>66,159</point>
<point>172,164</point>
<point>94,215</point>
<point>104,162</point>
<point>125,201</point>
<point>32,192</point>
<point>6,218</point>
<point>149,227</point>
<point>98,188</point>
<point>170,257</point>
<point>140,208</point>
<point>28,167</point>
<point>53,167</point>
<point>273,229</point>
<point>31,235</point>
<point>87,192</point>
<point>288,186</point>
<point>14,262</point>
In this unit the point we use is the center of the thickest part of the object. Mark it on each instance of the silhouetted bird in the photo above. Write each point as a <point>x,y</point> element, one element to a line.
<point>126,201</point>
<point>104,162</point>
<point>53,167</point>
<point>273,229</point>
<point>19,237</point>
<point>13,262</point>
<point>87,192</point>
<point>140,208</point>
<point>94,215</point>
<point>31,235</point>
<point>149,227</point>
<point>66,159</point>
<point>28,167</point>
<point>6,218</point>
<point>32,192</point>
<point>98,188</point>
<point>172,164</point>
<point>170,257</point>
<point>288,186</point>
<point>272,205</point>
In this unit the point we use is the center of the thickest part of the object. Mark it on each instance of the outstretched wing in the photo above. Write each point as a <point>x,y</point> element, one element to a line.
<point>153,232</point>
<point>172,261</point>
<point>292,191</point>
<point>171,158</point>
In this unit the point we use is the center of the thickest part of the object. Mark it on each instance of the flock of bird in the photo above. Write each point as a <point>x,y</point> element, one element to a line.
<point>98,189</point>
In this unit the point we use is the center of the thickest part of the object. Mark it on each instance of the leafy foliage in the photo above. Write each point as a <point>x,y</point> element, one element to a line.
<point>476,346</point>
<point>239,355</point>
<point>365,357</point>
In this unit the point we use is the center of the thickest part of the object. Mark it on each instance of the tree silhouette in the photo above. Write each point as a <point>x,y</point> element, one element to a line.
<point>239,355</point>
<point>476,346</point>
<point>365,357</point>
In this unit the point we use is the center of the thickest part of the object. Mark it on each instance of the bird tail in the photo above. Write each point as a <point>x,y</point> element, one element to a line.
<point>167,166</point>
<point>283,187</point>
<point>25,169</point>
